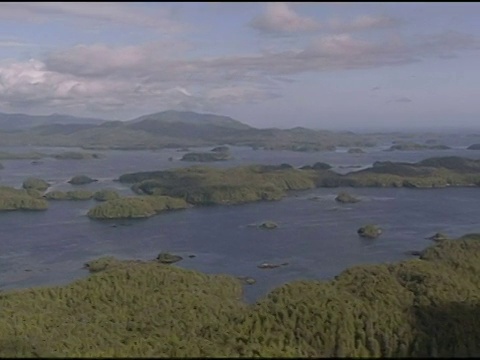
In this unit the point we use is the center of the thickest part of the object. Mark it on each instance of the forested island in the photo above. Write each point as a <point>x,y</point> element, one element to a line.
<point>200,185</point>
<point>427,306</point>
<point>207,186</point>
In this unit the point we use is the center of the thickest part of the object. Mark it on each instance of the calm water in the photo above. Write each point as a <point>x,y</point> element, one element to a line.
<point>316,235</point>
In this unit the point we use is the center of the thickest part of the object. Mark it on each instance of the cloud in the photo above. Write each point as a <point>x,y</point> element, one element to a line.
<point>107,12</point>
<point>103,78</point>
<point>361,23</point>
<point>280,18</point>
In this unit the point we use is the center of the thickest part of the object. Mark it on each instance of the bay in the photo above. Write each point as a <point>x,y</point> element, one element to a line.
<point>316,235</point>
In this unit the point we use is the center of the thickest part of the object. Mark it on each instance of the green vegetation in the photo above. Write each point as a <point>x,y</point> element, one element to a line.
<point>105,194</point>
<point>16,199</point>
<point>208,186</point>
<point>413,146</point>
<point>135,207</point>
<point>35,184</point>
<point>81,180</point>
<point>178,129</point>
<point>206,157</point>
<point>369,231</point>
<point>69,195</point>
<point>423,307</point>
<point>72,155</point>
<point>317,166</point>
<point>428,173</point>
<point>346,198</point>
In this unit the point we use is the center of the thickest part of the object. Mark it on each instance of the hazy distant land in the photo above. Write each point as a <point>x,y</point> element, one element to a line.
<point>178,129</point>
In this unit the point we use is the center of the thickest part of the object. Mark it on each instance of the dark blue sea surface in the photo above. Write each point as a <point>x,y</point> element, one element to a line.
<point>316,235</point>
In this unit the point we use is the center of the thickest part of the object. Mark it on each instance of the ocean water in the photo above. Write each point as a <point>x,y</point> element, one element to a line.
<point>316,235</point>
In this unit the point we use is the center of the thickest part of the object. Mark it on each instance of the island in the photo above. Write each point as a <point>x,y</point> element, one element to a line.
<point>20,199</point>
<point>135,207</point>
<point>81,180</point>
<point>346,198</point>
<point>35,184</point>
<point>200,185</point>
<point>414,146</point>
<point>370,231</point>
<point>206,157</point>
<point>72,155</point>
<point>268,225</point>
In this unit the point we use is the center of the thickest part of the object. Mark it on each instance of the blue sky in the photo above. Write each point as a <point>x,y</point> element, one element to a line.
<point>324,65</point>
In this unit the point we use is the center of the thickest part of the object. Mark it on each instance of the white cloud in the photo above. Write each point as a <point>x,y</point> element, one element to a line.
<point>280,18</point>
<point>100,78</point>
<point>109,12</point>
<point>360,23</point>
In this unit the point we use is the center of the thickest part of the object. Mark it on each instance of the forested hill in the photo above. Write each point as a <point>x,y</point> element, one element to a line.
<point>424,307</point>
<point>186,117</point>
<point>167,129</point>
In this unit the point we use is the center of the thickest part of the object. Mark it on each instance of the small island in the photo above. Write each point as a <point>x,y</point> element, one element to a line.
<point>414,146</point>
<point>135,207</point>
<point>346,198</point>
<point>72,155</point>
<point>369,231</point>
<point>167,258</point>
<point>206,157</point>
<point>35,184</point>
<point>268,225</point>
<point>81,180</point>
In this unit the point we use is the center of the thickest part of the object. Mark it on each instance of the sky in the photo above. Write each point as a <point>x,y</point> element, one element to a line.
<point>320,65</point>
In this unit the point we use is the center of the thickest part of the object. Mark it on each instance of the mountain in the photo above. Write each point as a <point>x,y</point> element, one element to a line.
<point>167,129</point>
<point>147,122</point>
<point>14,122</point>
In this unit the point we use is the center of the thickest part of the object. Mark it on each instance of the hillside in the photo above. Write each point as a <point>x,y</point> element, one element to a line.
<point>15,122</point>
<point>168,129</point>
<point>423,307</point>
<point>186,117</point>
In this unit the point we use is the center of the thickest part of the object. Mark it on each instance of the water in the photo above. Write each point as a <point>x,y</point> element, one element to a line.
<point>316,235</point>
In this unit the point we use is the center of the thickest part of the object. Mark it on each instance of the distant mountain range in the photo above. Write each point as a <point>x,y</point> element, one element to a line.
<point>10,122</point>
<point>165,129</point>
